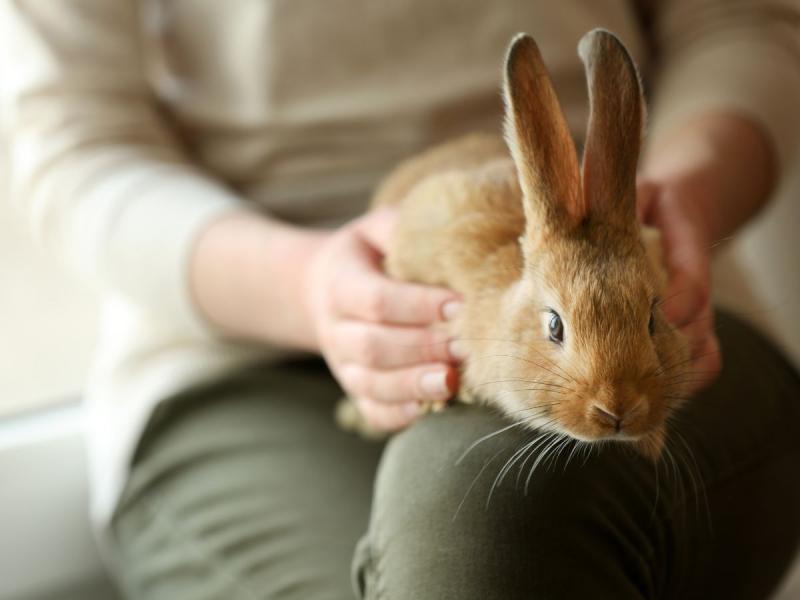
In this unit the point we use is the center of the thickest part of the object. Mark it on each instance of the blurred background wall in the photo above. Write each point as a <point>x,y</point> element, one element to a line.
<point>47,323</point>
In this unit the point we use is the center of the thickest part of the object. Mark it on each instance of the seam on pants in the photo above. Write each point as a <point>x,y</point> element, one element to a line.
<point>376,559</point>
<point>161,514</point>
<point>374,581</point>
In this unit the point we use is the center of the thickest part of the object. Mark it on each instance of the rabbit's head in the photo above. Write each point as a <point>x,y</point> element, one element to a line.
<point>593,356</point>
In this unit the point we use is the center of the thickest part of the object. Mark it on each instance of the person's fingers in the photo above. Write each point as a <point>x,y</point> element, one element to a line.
<point>706,364</point>
<point>364,292</point>
<point>685,296</point>
<point>426,383</point>
<point>698,329</point>
<point>686,255</point>
<point>376,227</point>
<point>387,417</point>
<point>706,360</point>
<point>386,346</point>
<point>358,287</point>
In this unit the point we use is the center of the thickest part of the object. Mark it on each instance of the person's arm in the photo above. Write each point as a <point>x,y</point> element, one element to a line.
<point>98,173</point>
<point>725,161</point>
<point>248,278</point>
<point>108,188</point>
<point>722,125</point>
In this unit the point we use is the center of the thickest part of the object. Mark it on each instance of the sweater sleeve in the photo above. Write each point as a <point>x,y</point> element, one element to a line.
<point>103,181</point>
<point>738,56</point>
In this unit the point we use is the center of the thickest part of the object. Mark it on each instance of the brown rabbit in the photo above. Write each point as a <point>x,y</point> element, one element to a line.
<point>560,284</point>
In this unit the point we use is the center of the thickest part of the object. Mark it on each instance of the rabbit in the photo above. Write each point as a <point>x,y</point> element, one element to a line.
<point>561,321</point>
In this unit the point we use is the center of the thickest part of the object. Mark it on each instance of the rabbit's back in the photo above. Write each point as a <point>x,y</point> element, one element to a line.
<point>463,154</point>
<point>459,205</point>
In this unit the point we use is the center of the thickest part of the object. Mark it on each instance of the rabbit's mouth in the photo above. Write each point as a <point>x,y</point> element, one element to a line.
<point>642,428</point>
<point>594,421</point>
<point>615,436</point>
<point>649,442</point>
<point>604,428</point>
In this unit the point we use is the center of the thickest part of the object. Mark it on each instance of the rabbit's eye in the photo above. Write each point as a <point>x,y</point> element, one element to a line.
<point>556,328</point>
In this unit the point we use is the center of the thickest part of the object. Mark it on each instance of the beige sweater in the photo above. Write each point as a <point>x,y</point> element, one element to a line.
<point>132,124</point>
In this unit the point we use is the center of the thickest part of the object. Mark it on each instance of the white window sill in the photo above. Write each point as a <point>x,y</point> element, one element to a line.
<point>46,543</point>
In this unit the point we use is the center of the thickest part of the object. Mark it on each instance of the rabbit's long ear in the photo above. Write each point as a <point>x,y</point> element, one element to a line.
<point>539,140</point>
<point>616,122</point>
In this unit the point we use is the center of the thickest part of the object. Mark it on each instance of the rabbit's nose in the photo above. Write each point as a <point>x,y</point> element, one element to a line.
<point>606,416</point>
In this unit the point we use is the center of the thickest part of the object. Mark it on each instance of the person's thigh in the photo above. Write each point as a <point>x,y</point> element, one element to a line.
<point>461,513</point>
<point>246,489</point>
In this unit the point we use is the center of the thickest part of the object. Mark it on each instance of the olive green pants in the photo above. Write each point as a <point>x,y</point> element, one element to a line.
<point>246,489</point>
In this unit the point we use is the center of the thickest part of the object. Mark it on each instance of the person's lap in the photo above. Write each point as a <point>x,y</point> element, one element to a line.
<point>247,489</point>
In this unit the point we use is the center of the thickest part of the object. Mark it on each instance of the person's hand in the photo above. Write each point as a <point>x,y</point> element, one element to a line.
<point>674,210</point>
<point>375,332</point>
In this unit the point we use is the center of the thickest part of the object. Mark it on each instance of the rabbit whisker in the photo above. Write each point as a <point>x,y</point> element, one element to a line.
<point>539,442</point>
<point>474,481</point>
<point>522,380</point>
<point>527,360</point>
<point>484,438</point>
<point>542,455</point>
<point>498,480</point>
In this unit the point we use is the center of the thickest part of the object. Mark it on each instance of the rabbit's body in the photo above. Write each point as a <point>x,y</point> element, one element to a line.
<point>560,319</point>
<point>460,216</point>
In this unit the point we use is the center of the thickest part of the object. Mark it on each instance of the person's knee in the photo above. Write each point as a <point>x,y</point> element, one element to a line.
<point>468,466</point>
<point>485,515</point>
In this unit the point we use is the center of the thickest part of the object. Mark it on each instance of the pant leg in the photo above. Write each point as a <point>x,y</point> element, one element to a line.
<point>246,489</point>
<point>719,517</point>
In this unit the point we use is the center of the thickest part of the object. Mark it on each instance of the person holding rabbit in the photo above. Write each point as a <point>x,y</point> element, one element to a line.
<point>209,166</point>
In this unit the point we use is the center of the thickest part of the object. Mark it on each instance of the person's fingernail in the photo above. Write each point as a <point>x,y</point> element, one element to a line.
<point>411,409</point>
<point>457,350</point>
<point>434,384</point>
<point>451,309</point>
